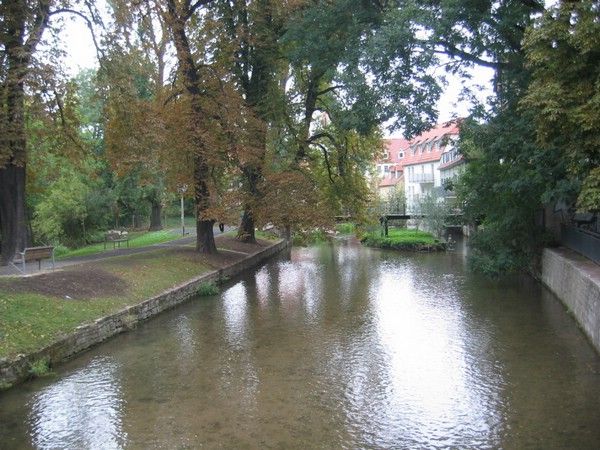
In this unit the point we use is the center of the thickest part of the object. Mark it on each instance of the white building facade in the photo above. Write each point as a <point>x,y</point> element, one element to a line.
<point>424,159</point>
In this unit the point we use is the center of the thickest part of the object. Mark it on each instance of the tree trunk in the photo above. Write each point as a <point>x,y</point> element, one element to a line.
<point>136,221</point>
<point>246,231</point>
<point>22,31</point>
<point>205,238</point>
<point>155,216</point>
<point>176,19</point>
<point>12,211</point>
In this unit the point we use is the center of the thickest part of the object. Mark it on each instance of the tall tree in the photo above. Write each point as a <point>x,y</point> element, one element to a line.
<point>509,176</point>
<point>249,39</point>
<point>563,51</point>
<point>193,75</point>
<point>22,24</point>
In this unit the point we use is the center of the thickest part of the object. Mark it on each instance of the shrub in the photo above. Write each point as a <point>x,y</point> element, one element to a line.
<point>207,289</point>
<point>345,228</point>
<point>40,368</point>
<point>304,238</point>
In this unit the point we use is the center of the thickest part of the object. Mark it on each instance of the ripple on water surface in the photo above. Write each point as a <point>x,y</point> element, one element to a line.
<point>337,347</point>
<point>83,410</point>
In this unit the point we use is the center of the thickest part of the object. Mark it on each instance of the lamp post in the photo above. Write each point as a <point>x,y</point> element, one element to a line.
<point>182,190</point>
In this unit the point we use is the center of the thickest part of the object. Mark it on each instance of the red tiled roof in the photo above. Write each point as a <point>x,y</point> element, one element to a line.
<point>433,134</point>
<point>393,147</point>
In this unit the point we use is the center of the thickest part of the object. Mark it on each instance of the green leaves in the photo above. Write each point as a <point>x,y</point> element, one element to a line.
<point>589,197</point>
<point>563,50</point>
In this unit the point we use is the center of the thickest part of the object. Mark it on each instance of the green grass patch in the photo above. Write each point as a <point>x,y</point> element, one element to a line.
<point>305,238</point>
<point>403,239</point>
<point>345,228</point>
<point>207,289</point>
<point>29,321</point>
<point>136,239</point>
<point>40,368</point>
<point>267,235</point>
<point>175,222</point>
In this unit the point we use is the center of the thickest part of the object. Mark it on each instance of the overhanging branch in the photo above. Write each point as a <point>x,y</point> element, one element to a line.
<point>89,23</point>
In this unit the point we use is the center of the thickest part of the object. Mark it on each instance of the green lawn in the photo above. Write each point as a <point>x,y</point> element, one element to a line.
<point>136,239</point>
<point>403,239</point>
<point>31,316</point>
<point>29,321</point>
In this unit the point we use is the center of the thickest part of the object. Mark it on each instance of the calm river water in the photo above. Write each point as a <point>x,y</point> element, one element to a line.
<point>337,347</point>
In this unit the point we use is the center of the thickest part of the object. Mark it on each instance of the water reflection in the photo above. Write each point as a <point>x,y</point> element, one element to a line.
<point>337,347</point>
<point>235,313</point>
<point>82,410</point>
<point>433,384</point>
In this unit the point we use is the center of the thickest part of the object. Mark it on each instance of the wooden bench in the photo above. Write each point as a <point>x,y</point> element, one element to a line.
<point>33,254</point>
<point>116,237</point>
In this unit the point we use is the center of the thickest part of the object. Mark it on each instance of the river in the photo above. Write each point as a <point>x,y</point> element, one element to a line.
<point>337,346</point>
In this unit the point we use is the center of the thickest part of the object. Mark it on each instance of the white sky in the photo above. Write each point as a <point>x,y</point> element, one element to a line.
<point>78,44</point>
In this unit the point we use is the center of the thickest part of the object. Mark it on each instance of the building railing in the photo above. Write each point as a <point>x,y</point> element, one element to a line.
<point>420,177</point>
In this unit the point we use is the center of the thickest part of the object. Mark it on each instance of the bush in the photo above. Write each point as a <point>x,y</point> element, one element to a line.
<point>304,238</point>
<point>207,289</point>
<point>40,368</point>
<point>345,228</point>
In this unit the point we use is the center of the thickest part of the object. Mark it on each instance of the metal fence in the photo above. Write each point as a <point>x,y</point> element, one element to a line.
<point>582,240</point>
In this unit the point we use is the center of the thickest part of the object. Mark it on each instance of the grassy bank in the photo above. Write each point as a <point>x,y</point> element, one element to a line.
<point>136,239</point>
<point>34,311</point>
<point>403,239</point>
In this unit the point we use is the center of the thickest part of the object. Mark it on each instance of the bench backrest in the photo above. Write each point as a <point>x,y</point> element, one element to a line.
<point>115,235</point>
<point>35,253</point>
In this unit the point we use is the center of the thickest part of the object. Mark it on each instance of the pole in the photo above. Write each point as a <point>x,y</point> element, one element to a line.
<point>182,217</point>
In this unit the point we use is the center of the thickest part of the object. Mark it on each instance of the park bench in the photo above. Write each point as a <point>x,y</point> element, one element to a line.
<point>33,254</point>
<point>116,237</point>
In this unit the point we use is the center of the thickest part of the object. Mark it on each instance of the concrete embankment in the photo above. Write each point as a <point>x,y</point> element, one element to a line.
<point>576,281</point>
<point>17,369</point>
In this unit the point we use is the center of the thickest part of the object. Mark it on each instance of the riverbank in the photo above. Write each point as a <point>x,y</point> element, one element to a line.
<point>48,317</point>
<point>575,280</point>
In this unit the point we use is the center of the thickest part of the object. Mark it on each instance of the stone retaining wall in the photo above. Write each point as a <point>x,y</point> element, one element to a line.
<point>576,281</point>
<point>15,370</point>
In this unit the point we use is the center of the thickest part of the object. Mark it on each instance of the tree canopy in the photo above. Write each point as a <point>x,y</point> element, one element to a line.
<point>273,110</point>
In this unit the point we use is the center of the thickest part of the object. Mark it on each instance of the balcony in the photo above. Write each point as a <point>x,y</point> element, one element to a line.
<point>420,177</point>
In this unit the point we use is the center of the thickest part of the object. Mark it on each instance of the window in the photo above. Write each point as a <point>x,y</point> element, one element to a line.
<point>400,155</point>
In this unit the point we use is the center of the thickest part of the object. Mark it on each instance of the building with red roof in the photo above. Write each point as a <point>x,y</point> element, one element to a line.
<point>422,163</point>
<point>389,167</point>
